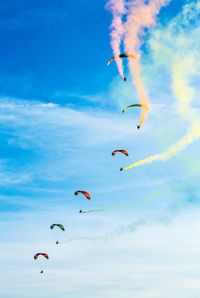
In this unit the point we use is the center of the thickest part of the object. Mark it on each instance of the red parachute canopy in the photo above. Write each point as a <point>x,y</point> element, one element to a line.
<point>85,193</point>
<point>45,255</point>
<point>121,151</point>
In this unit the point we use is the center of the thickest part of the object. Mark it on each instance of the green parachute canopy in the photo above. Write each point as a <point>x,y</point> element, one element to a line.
<point>134,105</point>
<point>57,225</point>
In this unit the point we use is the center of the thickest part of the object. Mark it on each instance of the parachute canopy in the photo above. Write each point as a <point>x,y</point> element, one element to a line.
<point>57,225</point>
<point>85,193</point>
<point>120,56</point>
<point>121,151</point>
<point>135,105</point>
<point>43,254</point>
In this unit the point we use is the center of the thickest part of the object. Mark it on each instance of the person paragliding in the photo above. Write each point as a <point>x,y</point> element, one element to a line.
<point>41,254</point>
<point>85,194</point>
<point>137,105</point>
<point>59,226</point>
<point>119,57</point>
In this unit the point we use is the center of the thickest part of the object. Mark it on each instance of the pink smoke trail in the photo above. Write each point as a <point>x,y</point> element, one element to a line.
<point>141,16</point>
<point>117,7</point>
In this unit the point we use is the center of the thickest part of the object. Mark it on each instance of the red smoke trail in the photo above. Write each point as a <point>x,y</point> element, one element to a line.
<point>117,7</point>
<point>141,16</point>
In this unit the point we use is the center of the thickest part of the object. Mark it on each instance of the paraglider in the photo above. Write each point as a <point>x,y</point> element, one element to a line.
<point>61,227</point>
<point>143,106</point>
<point>121,151</point>
<point>135,105</point>
<point>80,202</point>
<point>57,225</point>
<point>120,56</point>
<point>43,254</point>
<point>85,193</point>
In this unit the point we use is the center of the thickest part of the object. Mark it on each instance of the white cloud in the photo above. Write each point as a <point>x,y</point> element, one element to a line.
<point>157,260</point>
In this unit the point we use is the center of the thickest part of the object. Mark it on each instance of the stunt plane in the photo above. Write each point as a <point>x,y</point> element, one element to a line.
<point>85,193</point>
<point>43,254</point>
<point>121,151</point>
<point>120,56</point>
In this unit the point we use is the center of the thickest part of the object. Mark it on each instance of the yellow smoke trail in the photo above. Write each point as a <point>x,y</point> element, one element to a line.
<point>189,138</point>
<point>117,7</point>
<point>140,17</point>
<point>182,69</point>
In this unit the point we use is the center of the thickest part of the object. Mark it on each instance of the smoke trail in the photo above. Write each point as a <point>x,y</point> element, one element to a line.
<point>181,73</point>
<point>184,65</point>
<point>141,16</point>
<point>124,229</point>
<point>117,7</point>
<point>93,210</point>
<point>151,197</point>
<point>180,145</point>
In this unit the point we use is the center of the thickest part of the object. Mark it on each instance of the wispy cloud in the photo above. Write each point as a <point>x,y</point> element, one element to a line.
<point>29,127</point>
<point>131,263</point>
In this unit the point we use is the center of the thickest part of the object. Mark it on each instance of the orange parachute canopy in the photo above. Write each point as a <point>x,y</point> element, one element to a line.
<point>85,193</point>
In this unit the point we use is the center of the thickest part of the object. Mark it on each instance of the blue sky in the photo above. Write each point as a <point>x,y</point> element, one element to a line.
<point>60,116</point>
<point>43,48</point>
